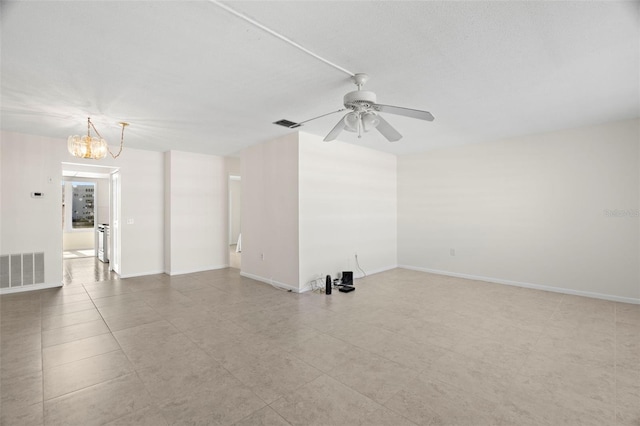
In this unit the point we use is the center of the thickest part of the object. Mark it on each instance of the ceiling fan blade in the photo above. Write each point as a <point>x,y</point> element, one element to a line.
<point>407,112</point>
<point>320,116</point>
<point>387,130</point>
<point>292,124</point>
<point>335,131</point>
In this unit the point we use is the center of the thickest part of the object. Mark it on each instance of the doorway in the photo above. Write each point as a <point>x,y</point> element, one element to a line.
<point>235,221</point>
<point>87,213</point>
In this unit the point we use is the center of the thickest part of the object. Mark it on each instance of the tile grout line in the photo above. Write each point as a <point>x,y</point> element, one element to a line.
<point>229,372</point>
<point>110,331</point>
<point>135,370</point>
<point>42,348</point>
<point>557,306</point>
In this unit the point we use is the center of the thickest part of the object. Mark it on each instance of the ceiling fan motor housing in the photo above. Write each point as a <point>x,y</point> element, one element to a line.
<point>359,100</point>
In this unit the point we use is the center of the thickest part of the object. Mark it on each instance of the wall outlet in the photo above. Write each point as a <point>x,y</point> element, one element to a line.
<point>261,256</point>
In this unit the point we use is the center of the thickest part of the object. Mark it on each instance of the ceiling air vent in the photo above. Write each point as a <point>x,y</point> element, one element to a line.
<point>287,123</point>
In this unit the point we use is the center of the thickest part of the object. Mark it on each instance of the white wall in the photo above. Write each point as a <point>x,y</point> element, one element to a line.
<point>233,166</point>
<point>270,212</point>
<point>637,286</point>
<point>234,169</point>
<point>141,202</point>
<point>33,163</point>
<point>347,206</point>
<point>80,240</point>
<point>309,206</point>
<point>103,214</point>
<point>32,225</point>
<point>167,212</point>
<point>196,209</point>
<point>528,211</point>
<point>235,210</point>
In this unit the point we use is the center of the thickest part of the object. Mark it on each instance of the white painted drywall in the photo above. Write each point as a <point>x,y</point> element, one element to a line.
<point>33,163</point>
<point>167,212</point>
<point>1,197</point>
<point>32,225</point>
<point>103,214</point>
<point>197,212</point>
<point>79,240</point>
<point>141,212</point>
<point>347,206</point>
<point>235,210</point>
<point>234,171</point>
<point>530,210</point>
<point>270,212</point>
<point>233,166</point>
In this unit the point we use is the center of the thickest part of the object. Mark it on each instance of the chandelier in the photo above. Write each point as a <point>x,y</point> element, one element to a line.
<point>92,147</point>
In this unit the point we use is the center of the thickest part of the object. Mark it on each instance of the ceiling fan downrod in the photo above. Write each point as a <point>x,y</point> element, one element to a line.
<point>360,79</point>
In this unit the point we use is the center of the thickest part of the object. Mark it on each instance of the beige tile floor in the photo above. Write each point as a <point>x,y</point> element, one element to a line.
<point>406,348</point>
<point>85,269</point>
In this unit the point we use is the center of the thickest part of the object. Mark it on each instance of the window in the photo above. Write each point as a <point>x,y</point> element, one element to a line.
<point>82,206</point>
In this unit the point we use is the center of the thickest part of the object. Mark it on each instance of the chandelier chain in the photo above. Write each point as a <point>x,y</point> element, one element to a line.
<point>94,129</point>
<point>91,126</point>
<point>121,142</point>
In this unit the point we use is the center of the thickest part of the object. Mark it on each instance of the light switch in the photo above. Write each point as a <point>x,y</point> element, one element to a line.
<point>130,221</point>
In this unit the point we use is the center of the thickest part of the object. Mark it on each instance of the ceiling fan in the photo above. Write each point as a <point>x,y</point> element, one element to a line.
<point>364,114</point>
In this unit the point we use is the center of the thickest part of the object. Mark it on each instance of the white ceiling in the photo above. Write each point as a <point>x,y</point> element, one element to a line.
<point>191,76</point>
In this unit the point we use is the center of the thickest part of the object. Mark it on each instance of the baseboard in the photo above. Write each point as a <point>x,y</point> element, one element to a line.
<point>32,287</point>
<point>373,271</point>
<point>357,275</point>
<point>193,271</point>
<point>140,274</point>
<point>271,281</point>
<point>305,289</point>
<point>562,290</point>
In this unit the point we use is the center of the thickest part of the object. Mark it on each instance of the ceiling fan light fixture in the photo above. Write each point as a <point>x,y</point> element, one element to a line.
<point>366,114</point>
<point>351,122</point>
<point>369,121</point>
